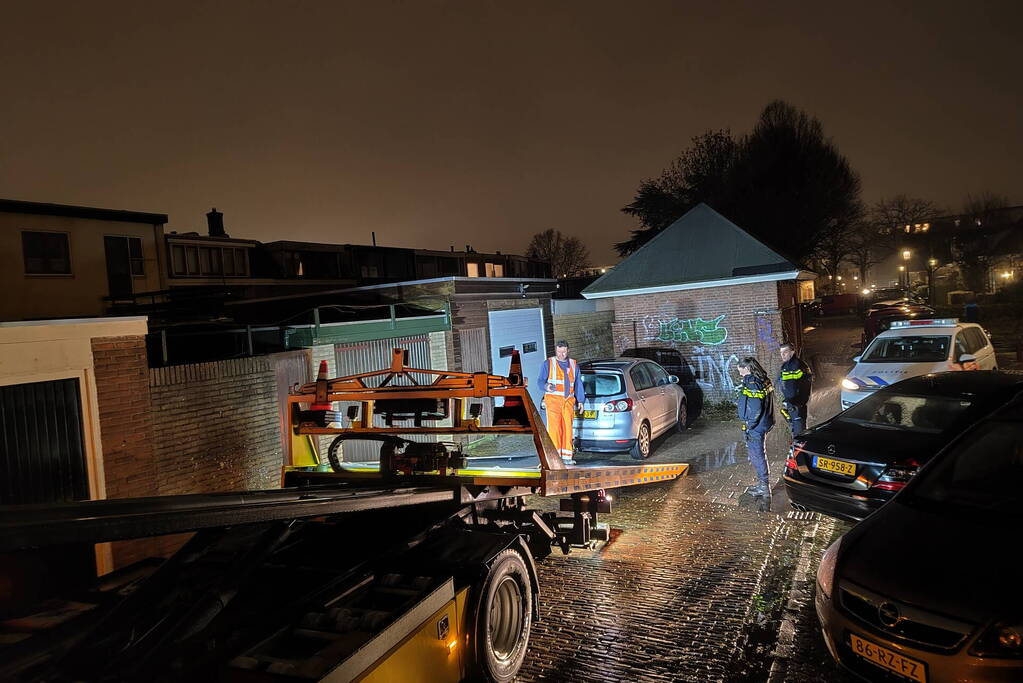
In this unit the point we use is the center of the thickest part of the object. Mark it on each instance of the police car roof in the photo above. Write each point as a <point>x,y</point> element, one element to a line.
<point>912,327</point>
<point>960,383</point>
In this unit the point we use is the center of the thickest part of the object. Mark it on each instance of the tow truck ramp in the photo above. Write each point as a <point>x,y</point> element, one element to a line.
<point>421,568</point>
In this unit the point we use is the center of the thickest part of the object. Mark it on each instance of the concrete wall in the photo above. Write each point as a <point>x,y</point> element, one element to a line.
<point>691,321</point>
<point>80,293</point>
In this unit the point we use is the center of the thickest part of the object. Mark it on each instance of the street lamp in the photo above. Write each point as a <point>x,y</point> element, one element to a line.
<point>906,254</point>
<point>932,263</point>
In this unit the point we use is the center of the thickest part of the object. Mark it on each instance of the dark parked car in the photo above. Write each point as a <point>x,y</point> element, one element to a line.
<point>880,319</point>
<point>855,462</point>
<point>927,588</point>
<point>676,364</point>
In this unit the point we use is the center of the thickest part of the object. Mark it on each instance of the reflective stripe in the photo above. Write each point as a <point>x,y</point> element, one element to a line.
<point>556,377</point>
<point>791,374</point>
<point>753,394</point>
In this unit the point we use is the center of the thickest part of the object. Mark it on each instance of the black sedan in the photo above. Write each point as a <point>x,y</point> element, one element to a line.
<point>855,462</point>
<point>926,589</point>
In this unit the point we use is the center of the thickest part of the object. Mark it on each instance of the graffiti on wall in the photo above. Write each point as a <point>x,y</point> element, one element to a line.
<point>694,330</point>
<point>765,331</point>
<point>714,371</point>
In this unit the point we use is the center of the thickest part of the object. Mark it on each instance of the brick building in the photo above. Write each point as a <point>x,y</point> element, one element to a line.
<point>711,290</point>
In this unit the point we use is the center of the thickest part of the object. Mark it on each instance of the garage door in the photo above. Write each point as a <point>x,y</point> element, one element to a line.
<point>520,329</point>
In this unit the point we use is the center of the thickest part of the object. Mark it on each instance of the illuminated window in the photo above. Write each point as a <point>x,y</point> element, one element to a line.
<point>473,269</point>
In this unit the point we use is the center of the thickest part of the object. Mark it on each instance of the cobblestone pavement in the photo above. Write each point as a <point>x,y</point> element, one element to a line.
<point>693,587</point>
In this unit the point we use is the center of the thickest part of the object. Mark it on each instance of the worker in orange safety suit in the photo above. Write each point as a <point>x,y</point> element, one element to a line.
<point>563,398</point>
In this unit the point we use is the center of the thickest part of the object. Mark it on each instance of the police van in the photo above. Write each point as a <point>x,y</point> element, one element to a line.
<point>917,347</point>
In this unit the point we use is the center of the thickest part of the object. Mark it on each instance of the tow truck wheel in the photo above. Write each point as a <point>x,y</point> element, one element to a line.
<point>503,618</point>
<point>334,453</point>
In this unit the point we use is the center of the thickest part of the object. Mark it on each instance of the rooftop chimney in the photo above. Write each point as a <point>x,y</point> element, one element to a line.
<point>215,220</point>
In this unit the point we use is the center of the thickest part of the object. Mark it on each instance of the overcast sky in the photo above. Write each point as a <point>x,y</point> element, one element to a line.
<point>453,123</point>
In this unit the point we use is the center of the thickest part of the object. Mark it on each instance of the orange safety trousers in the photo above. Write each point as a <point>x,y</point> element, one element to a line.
<point>560,414</point>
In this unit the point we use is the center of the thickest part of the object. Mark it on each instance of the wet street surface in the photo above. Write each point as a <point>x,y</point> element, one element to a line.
<point>693,586</point>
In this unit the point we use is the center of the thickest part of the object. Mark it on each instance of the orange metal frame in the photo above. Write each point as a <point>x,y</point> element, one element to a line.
<point>554,477</point>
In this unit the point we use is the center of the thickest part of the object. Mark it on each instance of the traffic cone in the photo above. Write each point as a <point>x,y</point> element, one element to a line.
<point>513,411</point>
<point>321,402</point>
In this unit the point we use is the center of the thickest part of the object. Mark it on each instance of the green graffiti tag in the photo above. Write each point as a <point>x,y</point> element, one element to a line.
<point>695,330</point>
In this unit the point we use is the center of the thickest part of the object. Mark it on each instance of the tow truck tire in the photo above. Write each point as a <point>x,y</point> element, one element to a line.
<point>503,618</point>
<point>335,453</point>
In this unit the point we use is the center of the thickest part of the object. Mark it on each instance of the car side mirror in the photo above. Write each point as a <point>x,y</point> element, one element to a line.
<point>673,379</point>
<point>856,359</point>
<point>966,358</point>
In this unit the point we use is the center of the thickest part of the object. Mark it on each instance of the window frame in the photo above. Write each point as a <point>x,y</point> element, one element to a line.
<point>70,264</point>
<point>196,250</point>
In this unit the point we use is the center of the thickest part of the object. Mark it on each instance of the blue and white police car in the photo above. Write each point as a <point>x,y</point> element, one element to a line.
<point>917,347</point>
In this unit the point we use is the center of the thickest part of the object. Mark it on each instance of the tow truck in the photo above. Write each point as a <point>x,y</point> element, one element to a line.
<point>421,567</point>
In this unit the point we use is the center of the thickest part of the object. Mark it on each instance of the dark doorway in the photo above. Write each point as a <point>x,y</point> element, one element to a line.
<point>118,265</point>
<point>42,460</point>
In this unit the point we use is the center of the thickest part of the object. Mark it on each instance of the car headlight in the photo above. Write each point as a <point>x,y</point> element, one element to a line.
<point>850,385</point>
<point>826,570</point>
<point>1001,639</point>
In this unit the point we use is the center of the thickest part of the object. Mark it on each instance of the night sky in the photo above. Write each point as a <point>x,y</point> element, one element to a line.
<point>453,123</point>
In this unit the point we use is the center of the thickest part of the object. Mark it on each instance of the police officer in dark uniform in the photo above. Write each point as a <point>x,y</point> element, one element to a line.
<point>796,380</point>
<point>756,410</point>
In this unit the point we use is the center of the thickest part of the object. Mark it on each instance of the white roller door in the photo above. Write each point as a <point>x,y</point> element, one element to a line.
<point>520,329</point>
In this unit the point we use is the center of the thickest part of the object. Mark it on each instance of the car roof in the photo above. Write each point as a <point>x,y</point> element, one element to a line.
<point>955,384</point>
<point>611,363</point>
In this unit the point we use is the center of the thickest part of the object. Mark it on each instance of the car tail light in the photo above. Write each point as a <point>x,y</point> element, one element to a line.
<point>790,462</point>
<point>896,476</point>
<point>622,405</point>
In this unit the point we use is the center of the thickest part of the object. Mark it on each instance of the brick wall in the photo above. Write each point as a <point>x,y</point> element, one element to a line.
<point>215,426</point>
<point>685,320</point>
<point>126,429</point>
<point>588,334</point>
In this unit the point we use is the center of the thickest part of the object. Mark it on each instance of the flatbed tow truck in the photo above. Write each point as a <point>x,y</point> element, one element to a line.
<point>420,569</point>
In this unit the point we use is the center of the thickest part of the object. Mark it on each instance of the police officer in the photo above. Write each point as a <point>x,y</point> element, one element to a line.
<point>796,379</point>
<point>756,410</point>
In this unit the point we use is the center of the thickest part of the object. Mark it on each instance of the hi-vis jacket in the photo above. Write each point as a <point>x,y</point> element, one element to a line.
<point>551,372</point>
<point>756,405</point>
<point>796,379</point>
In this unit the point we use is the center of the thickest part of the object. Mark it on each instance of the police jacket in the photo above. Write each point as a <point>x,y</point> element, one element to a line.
<point>756,405</point>
<point>795,381</point>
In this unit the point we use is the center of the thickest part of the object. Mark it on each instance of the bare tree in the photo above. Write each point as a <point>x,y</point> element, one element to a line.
<point>566,255</point>
<point>891,215</point>
<point>868,246</point>
<point>984,208</point>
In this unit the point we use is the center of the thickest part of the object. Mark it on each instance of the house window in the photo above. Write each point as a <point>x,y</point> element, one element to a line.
<point>135,260</point>
<point>46,253</point>
<point>489,269</point>
<point>194,261</point>
<point>472,269</point>
<point>498,270</point>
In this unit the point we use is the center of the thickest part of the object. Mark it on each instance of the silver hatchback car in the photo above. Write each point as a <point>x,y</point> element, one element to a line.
<point>629,403</point>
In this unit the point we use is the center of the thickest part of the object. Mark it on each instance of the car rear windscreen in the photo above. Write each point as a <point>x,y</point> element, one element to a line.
<point>931,414</point>
<point>597,384</point>
<point>931,348</point>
